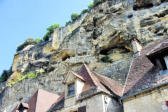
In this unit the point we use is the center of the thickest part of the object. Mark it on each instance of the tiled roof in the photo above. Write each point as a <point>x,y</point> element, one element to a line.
<point>93,79</point>
<point>42,101</point>
<point>158,48</point>
<point>143,74</point>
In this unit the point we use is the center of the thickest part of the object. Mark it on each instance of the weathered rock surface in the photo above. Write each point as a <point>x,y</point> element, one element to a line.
<point>107,30</point>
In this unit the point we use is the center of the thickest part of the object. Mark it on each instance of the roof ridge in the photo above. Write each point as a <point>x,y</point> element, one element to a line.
<point>37,99</point>
<point>91,75</point>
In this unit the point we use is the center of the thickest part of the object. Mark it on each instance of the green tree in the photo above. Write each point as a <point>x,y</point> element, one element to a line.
<point>91,5</point>
<point>96,2</point>
<point>74,16</point>
<point>50,30</point>
<point>84,11</point>
<point>5,75</point>
<point>29,41</point>
<point>67,23</point>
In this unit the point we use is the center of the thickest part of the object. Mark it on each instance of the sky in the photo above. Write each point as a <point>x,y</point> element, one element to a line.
<point>22,19</point>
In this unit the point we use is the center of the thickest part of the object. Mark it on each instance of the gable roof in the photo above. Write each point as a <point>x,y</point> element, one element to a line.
<point>93,79</point>
<point>158,48</point>
<point>42,101</point>
<point>75,74</point>
<point>143,74</point>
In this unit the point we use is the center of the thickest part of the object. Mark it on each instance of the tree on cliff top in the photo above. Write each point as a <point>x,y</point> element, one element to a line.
<point>50,30</point>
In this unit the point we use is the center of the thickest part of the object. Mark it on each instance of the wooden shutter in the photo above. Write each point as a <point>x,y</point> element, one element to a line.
<point>82,109</point>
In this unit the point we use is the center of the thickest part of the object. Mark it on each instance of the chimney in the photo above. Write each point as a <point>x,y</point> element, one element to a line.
<point>136,44</point>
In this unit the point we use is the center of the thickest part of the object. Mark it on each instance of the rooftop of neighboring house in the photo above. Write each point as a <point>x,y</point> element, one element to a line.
<point>41,101</point>
<point>148,70</point>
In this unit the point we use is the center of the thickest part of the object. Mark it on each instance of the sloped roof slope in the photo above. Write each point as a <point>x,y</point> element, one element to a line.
<point>143,74</point>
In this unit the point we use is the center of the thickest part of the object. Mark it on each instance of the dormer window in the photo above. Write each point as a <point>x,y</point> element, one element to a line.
<point>71,89</point>
<point>166,61</point>
<point>159,57</point>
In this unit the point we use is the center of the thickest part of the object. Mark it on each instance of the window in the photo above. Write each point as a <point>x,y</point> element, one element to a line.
<point>22,109</point>
<point>82,109</point>
<point>163,66</point>
<point>166,61</point>
<point>71,89</point>
<point>167,103</point>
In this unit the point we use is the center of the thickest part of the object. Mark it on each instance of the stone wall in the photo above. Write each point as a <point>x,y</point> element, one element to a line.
<point>154,101</point>
<point>97,103</point>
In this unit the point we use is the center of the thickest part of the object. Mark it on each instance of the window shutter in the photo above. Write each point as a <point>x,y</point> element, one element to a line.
<point>82,109</point>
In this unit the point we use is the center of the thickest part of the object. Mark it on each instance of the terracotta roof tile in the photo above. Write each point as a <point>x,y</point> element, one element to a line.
<point>42,101</point>
<point>93,79</point>
<point>143,74</point>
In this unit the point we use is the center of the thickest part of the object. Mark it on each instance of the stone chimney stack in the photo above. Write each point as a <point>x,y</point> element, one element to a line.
<point>136,46</point>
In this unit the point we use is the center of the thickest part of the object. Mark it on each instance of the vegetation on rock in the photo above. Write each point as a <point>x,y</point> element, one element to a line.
<point>74,16</point>
<point>29,41</point>
<point>5,75</point>
<point>50,30</point>
<point>67,23</point>
<point>91,5</point>
<point>106,59</point>
<point>27,76</point>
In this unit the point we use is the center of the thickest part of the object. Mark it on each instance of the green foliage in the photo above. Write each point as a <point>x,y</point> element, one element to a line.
<point>96,2</point>
<point>38,40</point>
<point>5,75</point>
<point>74,16</point>
<point>91,5</point>
<point>29,41</point>
<point>106,59</point>
<point>50,30</point>
<point>27,76</point>
<point>84,11</point>
<point>46,36</point>
<point>52,27</point>
<point>67,23</point>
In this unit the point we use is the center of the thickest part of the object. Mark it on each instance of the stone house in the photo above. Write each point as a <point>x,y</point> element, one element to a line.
<point>41,101</point>
<point>146,87</point>
<point>87,91</point>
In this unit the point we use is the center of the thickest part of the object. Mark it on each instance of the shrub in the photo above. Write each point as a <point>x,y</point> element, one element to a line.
<point>29,41</point>
<point>96,2</point>
<point>46,36</point>
<point>37,40</point>
<point>74,16</point>
<point>50,30</point>
<point>91,5</point>
<point>106,59</point>
<point>27,76</point>
<point>84,11</point>
<point>52,27</point>
<point>5,75</point>
<point>67,23</point>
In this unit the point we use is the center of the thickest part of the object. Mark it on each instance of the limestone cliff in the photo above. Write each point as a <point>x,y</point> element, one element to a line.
<point>100,38</point>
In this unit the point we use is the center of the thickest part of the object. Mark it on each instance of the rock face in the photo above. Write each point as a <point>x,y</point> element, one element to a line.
<point>106,31</point>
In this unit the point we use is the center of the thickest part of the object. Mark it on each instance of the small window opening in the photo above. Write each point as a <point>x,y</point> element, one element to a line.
<point>22,109</point>
<point>71,89</point>
<point>167,103</point>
